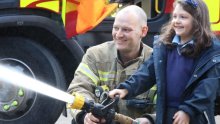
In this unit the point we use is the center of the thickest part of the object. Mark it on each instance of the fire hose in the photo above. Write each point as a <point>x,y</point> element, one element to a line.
<point>103,110</point>
<point>76,101</point>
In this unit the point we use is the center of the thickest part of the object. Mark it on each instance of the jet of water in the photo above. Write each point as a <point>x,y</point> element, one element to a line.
<point>8,75</point>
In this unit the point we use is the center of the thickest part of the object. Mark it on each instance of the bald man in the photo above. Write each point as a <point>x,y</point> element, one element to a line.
<point>112,62</point>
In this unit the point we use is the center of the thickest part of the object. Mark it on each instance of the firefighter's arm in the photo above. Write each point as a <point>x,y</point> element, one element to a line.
<point>85,81</point>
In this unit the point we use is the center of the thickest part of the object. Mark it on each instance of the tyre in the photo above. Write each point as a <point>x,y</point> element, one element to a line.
<point>22,106</point>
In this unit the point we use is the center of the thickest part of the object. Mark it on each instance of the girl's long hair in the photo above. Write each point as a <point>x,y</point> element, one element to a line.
<point>202,33</point>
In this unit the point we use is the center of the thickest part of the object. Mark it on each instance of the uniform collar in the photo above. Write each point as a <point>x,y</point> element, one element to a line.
<point>141,54</point>
<point>176,41</point>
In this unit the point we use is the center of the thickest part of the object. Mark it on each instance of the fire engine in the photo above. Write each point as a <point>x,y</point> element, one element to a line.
<point>46,40</point>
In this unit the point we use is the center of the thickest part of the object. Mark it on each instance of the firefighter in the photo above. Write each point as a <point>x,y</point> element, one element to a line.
<point>114,61</point>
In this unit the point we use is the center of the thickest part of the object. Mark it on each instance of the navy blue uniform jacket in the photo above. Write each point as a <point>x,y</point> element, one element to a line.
<point>199,95</point>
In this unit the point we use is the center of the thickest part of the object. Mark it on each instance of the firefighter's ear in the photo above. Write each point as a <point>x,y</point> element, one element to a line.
<point>144,31</point>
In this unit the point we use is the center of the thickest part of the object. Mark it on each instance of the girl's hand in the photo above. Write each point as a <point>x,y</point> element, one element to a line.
<point>181,117</point>
<point>121,92</point>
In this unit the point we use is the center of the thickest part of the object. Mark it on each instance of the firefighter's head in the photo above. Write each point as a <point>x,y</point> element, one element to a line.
<point>129,27</point>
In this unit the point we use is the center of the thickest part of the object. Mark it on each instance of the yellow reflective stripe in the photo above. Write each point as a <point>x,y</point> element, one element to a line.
<point>155,99</point>
<point>64,11</point>
<point>154,87</point>
<point>87,71</point>
<point>105,76</point>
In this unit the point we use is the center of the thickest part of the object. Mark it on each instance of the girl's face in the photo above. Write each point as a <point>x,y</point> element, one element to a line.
<point>182,23</point>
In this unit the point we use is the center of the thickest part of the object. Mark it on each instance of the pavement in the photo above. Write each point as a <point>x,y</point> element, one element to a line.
<point>64,120</point>
<point>217,119</point>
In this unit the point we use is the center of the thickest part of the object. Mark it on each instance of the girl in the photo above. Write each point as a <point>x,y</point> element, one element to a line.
<point>185,65</point>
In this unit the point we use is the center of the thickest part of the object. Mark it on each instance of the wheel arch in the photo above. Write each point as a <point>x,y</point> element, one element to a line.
<point>49,34</point>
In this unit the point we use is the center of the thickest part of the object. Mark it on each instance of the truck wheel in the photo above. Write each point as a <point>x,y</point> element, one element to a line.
<point>22,106</point>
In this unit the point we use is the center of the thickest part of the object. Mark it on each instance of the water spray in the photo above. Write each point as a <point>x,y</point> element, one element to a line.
<point>76,101</point>
<point>16,78</point>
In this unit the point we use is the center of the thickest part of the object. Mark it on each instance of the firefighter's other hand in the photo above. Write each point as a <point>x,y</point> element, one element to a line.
<point>121,92</point>
<point>91,119</point>
<point>181,117</point>
<point>143,121</point>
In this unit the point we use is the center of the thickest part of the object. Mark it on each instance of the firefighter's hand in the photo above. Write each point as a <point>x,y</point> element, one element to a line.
<point>181,117</point>
<point>143,121</point>
<point>121,92</point>
<point>91,119</point>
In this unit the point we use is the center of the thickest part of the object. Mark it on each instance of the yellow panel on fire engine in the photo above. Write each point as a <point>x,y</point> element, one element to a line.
<point>213,6</point>
<point>52,5</point>
<point>25,3</point>
<point>214,12</point>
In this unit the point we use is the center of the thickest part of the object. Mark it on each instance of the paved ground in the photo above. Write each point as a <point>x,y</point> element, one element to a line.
<point>217,118</point>
<point>64,120</point>
<point>67,120</point>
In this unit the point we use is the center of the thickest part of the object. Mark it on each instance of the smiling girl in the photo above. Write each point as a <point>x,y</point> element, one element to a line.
<point>185,65</point>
